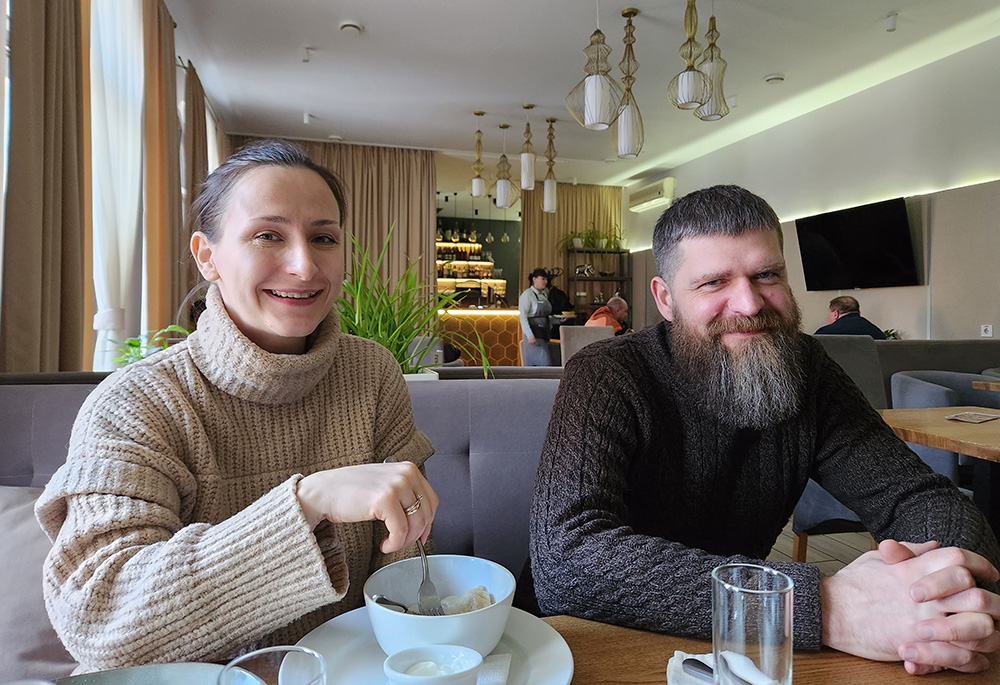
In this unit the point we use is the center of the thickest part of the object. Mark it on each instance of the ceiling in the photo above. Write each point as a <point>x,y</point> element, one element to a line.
<point>414,75</point>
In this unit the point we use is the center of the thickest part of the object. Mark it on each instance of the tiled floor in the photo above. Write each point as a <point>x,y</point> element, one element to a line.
<point>830,552</point>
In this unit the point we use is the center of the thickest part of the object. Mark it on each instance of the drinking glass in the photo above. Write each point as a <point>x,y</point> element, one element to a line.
<point>286,665</point>
<point>751,624</point>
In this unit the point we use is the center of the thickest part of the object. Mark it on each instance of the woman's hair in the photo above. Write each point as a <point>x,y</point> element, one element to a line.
<point>538,272</point>
<point>213,194</point>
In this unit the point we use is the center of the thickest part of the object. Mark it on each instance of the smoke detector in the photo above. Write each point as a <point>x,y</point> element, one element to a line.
<point>353,27</point>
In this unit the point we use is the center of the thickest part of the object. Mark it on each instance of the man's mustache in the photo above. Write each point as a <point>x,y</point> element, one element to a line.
<point>767,320</point>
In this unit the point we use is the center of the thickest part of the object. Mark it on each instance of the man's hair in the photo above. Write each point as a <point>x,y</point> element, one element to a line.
<point>719,210</point>
<point>616,304</point>
<point>207,210</point>
<point>845,304</point>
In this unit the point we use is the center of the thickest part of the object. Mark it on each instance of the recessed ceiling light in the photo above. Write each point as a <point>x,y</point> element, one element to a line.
<point>354,27</point>
<point>774,78</point>
<point>334,136</point>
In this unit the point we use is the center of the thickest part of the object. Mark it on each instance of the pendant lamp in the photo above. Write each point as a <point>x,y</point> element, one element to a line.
<point>505,191</point>
<point>689,89</point>
<point>527,155</point>
<point>630,132</point>
<point>714,67</point>
<point>551,186</point>
<point>594,101</point>
<point>478,182</point>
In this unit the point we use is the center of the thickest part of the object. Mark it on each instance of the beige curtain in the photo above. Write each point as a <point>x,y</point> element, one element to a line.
<point>186,274</point>
<point>162,167</point>
<point>386,187</point>
<point>41,315</point>
<point>577,206</point>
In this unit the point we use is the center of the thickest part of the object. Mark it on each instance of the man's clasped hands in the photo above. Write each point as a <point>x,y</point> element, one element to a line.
<point>915,602</point>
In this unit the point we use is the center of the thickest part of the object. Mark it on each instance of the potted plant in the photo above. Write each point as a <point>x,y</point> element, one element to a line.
<point>397,317</point>
<point>594,238</point>
<point>133,349</point>
<point>573,239</point>
<point>615,237</point>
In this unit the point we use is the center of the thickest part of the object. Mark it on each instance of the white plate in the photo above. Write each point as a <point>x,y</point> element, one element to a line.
<point>151,674</point>
<point>539,654</point>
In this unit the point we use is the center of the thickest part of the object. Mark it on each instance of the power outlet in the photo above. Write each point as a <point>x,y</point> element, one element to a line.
<point>986,330</point>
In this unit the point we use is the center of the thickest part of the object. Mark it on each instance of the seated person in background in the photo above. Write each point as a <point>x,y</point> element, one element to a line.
<point>845,318</point>
<point>614,313</point>
<point>230,492</point>
<point>686,445</point>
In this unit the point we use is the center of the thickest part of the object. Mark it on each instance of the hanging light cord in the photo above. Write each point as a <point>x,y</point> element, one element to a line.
<point>597,3</point>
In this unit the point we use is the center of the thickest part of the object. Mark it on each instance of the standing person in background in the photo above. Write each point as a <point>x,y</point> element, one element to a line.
<point>613,314</point>
<point>534,310</point>
<point>845,318</point>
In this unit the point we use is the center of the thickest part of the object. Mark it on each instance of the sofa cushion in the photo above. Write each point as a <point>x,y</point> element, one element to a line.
<point>30,647</point>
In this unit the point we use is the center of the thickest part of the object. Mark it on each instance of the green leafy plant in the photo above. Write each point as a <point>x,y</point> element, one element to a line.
<point>398,317</point>
<point>133,349</point>
<point>566,242</point>
<point>592,236</point>
<point>891,334</point>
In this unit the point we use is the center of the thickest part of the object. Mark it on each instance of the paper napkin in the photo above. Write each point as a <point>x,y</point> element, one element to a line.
<point>740,665</point>
<point>494,670</point>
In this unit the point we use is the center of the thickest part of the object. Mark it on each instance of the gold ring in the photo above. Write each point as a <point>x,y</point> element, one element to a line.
<point>412,509</point>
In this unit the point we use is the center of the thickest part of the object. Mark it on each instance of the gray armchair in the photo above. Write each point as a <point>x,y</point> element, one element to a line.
<point>818,512</point>
<point>912,389</point>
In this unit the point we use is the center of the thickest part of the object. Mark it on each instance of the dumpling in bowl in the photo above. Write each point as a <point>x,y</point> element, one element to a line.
<point>476,598</point>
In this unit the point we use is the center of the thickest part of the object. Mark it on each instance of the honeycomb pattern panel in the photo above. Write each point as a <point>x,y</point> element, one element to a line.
<point>499,330</point>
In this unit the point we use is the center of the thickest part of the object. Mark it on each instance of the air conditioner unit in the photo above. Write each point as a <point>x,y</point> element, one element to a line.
<point>660,194</point>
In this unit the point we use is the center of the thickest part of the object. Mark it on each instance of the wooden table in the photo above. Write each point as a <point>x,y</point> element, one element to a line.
<point>611,655</point>
<point>987,385</point>
<point>928,426</point>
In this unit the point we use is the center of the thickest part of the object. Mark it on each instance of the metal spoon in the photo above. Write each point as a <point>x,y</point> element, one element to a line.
<point>390,603</point>
<point>698,669</point>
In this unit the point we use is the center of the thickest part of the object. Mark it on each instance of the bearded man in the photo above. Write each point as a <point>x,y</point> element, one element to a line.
<point>686,445</point>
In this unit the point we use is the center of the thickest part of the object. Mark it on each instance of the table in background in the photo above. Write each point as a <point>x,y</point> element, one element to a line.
<point>928,426</point>
<point>987,385</point>
<point>604,654</point>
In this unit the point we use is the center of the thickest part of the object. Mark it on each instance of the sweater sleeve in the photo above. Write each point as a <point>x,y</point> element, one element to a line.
<point>127,582</point>
<point>863,464</point>
<point>587,557</point>
<point>525,308</point>
<point>396,437</point>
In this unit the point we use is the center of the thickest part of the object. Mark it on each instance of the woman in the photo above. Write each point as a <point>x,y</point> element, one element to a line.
<point>533,311</point>
<point>226,493</point>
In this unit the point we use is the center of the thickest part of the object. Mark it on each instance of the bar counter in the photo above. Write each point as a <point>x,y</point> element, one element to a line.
<point>499,329</point>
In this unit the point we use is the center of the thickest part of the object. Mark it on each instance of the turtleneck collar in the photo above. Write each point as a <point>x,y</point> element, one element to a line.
<point>235,365</point>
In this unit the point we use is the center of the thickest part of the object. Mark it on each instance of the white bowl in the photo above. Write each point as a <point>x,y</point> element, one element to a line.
<point>465,663</point>
<point>452,574</point>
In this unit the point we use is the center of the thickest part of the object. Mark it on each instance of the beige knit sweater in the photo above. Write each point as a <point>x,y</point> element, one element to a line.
<point>177,533</point>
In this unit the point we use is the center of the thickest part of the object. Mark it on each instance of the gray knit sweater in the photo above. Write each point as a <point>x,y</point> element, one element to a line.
<point>638,497</point>
<point>177,532</point>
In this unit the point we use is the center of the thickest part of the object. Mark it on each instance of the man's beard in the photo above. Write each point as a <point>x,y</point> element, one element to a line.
<point>757,384</point>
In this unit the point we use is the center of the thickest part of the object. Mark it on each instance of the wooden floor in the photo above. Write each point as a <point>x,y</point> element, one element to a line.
<point>829,552</point>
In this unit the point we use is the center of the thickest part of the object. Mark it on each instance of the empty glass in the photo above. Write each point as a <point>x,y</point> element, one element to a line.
<point>276,666</point>
<point>751,624</point>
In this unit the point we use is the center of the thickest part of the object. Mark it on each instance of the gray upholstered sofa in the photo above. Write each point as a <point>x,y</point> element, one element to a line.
<point>487,436</point>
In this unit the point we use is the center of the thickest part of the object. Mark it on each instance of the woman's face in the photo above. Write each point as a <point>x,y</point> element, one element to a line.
<point>278,258</point>
<point>539,282</point>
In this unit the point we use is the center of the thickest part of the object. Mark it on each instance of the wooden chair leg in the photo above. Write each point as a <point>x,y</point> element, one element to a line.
<point>800,541</point>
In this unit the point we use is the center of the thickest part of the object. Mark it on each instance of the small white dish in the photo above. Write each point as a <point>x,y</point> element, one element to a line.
<point>539,654</point>
<point>433,665</point>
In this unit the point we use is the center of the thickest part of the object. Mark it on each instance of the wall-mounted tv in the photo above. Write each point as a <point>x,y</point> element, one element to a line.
<point>861,247</point>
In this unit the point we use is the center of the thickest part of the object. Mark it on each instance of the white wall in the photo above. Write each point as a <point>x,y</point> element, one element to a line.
<point>932,129</point>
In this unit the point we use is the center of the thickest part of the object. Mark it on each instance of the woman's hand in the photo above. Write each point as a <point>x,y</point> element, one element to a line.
<point>531,340</point>
<point>367,492</point>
